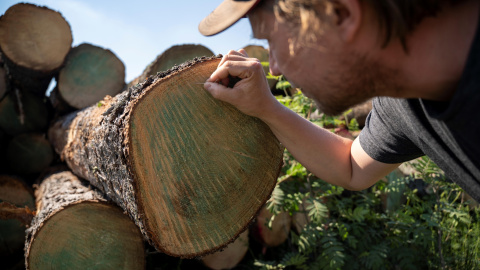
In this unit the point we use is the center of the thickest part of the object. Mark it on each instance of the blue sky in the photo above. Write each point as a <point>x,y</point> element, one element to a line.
<point>137,31</point>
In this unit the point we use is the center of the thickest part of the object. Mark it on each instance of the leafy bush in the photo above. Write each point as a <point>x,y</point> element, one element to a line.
<point>419,221</point>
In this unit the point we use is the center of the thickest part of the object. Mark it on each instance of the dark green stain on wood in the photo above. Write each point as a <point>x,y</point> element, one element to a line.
<point>203,160</point>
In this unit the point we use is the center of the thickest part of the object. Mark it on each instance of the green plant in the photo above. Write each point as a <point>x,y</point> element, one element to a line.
<point>419,221</point>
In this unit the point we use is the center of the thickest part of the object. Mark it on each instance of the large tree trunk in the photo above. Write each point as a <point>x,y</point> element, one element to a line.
<point>34,41</point>
<point>191,171</point>
<point>13,193</point>
<point>76,228</point>
<point>90,73</point>
<point>174,55</point>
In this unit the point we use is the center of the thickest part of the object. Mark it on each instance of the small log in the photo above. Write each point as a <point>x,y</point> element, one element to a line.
<point>76,228</point>
<point>279,231</point>
<point>301,218</point>
<point>360,112</point>
<point>192,171</point>
<point>90,73</point>
<point>29,153</point>
<point>261,54</point>
<point>230,256</point>
<point>13,193</point>
<point>22,112</point>
<point>34,41</point>
<point>174,55</point>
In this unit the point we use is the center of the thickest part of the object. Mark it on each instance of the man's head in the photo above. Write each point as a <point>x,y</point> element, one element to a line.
<point>329,48</point>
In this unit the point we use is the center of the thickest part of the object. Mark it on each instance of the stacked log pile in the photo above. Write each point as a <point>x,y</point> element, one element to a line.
<point>153,164</point>
<point>158,164</point>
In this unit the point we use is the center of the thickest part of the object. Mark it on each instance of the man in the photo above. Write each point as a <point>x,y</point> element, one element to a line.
<point>420,59</point>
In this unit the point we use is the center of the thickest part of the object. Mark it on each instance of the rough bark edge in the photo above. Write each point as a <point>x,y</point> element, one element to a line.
<point>121,188</point>
<point>147,86</point>
<point>144,75</point>
<point>43,214</point>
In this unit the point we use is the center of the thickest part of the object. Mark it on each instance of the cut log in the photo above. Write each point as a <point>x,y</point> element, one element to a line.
<point>301,218</point>
<point>261,54</point>
<point>22,112</point>
<point>34,41</point>
<point>230,256</point>
<point>12,232</point>
<point>90,73</point>
<point>76,228</point>
<point>192,171</point>
<point>279,231</point>
<point>360,112</point>
<point>174,55</point>
<point>29,153</point>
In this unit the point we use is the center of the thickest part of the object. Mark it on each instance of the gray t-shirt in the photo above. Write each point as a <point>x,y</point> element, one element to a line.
<point>399,130</point>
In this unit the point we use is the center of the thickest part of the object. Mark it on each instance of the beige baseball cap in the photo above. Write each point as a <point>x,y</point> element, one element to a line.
<point>225,15</point>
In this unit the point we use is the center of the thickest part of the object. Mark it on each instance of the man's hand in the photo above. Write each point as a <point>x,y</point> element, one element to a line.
<point>251,94</point>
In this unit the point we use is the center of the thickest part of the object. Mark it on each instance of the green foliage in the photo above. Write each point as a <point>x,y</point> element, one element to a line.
<point>419,221</point>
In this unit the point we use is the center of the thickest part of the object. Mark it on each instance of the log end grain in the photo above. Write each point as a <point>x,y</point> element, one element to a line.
<point>34,37</point>
<point>230,256</point>
<point>12,231</point>
<point>90,73</point>
<point>87,235</point>
<point>202,169</point>
<point>76,228</point>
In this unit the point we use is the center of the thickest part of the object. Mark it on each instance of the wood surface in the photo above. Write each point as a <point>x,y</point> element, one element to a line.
<point>14,192</point>
<point>77,228</point>
<point>191,171</point>
<point>34,42</point>
<point>89,74</point>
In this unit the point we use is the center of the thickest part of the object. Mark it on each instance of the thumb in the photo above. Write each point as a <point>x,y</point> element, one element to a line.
<point>220,92</point>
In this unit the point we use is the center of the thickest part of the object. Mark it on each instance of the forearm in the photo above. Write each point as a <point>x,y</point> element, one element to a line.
<point>323,153</point>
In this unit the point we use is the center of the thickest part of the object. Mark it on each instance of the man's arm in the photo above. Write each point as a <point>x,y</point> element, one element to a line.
<point>335,159</point>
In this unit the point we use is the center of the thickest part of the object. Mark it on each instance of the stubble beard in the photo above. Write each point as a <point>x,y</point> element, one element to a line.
<point>355,80</point>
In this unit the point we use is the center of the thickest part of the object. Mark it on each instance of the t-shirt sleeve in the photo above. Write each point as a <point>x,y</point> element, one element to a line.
<point>386,135</point>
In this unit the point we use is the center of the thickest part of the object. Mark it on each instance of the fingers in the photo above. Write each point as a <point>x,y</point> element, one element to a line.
<point>241,69</point>
<point>221,92</point>
<point>235,57</point>
<point>242,51</point>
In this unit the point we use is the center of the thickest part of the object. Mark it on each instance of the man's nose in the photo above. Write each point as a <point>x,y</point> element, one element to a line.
<point>273,66</point>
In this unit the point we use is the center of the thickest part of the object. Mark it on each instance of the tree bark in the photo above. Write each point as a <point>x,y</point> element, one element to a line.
<point>13,193</point>
<point>191,171</point>
<point>90,73</point>
<point>34,41</point>
<point>77,228</point>
<point>174,55</point>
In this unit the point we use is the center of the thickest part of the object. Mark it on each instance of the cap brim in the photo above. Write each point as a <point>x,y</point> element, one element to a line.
<point>225,15</point>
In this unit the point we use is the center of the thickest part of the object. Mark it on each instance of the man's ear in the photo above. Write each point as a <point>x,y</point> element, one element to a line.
<point>348,18</point>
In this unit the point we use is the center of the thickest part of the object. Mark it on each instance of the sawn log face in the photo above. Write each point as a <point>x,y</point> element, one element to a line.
<point>190,187</point>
